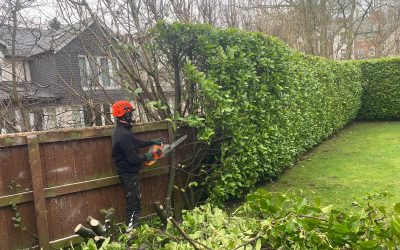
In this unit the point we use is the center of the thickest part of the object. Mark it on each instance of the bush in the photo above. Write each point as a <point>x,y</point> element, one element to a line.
<point>381,89</point>
<point>273,103</point>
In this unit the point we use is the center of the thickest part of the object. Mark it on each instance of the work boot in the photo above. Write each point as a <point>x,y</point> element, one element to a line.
<point>134,223</point>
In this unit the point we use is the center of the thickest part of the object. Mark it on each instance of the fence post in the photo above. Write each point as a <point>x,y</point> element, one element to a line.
<point>38,191</point>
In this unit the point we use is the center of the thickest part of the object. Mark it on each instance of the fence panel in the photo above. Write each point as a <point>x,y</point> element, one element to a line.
<point>55,179</point>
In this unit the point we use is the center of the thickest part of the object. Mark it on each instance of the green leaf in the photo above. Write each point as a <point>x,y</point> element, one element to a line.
<point>91,245</point>
<point>369,244</point>
<point>258,244</point>
<point>193,184</point>
<point>105,243</point>
<point>397,208</point>
<point>327,210</point>
<point>341,228</point>
<point>396,225</point>
<point>138,91</point>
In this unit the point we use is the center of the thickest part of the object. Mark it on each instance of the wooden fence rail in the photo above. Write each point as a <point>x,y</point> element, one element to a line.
<point>50,181</point>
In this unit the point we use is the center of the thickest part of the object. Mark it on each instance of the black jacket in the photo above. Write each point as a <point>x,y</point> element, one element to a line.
<point>125,149</point>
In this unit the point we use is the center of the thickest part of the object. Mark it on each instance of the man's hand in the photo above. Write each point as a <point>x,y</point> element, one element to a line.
<point>148,156</point>
<point>158,141</point>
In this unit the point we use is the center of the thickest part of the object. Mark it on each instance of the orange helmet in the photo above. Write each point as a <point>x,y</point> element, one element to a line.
<point>120,108</point>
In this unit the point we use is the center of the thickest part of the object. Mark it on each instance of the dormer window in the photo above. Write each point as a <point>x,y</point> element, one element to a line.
<point>98,71</point>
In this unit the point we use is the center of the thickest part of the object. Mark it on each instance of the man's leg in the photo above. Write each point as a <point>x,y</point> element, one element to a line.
<point>131,185</point>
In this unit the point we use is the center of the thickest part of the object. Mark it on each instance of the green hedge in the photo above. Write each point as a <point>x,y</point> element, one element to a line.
<point>272,101</point>
<point>381,89</point>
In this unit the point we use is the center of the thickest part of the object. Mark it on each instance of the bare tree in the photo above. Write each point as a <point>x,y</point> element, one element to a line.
<point>123,29</point>
<point>15,107</point>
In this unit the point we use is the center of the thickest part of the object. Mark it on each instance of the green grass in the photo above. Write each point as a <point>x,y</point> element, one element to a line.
<point>362,159</point>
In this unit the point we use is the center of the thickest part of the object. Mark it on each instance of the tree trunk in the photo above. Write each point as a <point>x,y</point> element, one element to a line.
<point>324,20</point>
<point>25,126</point>
<point>350,34</point>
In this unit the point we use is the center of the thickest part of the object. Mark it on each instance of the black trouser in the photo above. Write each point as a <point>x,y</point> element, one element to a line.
<point>131,185</point>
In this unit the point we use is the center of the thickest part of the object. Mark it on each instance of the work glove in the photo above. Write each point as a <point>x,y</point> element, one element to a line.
<point>157,141</point>
<point>148,156</point>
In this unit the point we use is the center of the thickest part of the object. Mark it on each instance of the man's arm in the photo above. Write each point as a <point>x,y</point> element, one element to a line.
<point>142,144</point>
<point>128,146</point>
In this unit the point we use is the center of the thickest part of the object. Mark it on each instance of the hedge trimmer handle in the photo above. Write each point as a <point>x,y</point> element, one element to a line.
<point>157,152</point>
<point>163,150</point>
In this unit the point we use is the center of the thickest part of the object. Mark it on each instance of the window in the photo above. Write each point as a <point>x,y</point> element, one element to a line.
<point>106,117</point>
<point>100,115</point>
<point>87,72</point>
<point>108,72</point>
<point>83,72</point>
<point>3,128</point>
<point>343,38</point>
<point>49,118</point>
<point>92,72</point>
<point>19,121</point>
<point>98,70</point>
<point>361,54</point>
<point>87,116</point>
<point>115,74</point>
<point>371,52</point>
<point>36,120</point>
<point>343,54</point>
<point>97,115</point>
<point>76,116</point>
<point>105,72</point>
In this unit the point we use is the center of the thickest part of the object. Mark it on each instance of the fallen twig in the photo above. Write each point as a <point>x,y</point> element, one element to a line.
<point>184,235</point>
<point>249,242</point>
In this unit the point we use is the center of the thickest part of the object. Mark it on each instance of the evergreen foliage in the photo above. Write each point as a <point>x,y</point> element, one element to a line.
<point>272,101</point>
<point>381,89</point>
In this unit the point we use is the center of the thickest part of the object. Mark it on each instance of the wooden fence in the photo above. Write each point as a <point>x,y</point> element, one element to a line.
<point>50,181</point>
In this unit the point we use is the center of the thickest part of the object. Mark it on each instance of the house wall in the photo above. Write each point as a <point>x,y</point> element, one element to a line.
<point>6,65</point>
<point>67,66</point>
<point>59,71</point>
<point>43,70</point>
<point>364,46</point>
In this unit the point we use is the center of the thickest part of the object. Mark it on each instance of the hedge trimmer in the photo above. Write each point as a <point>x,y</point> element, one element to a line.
<point>163,150</point>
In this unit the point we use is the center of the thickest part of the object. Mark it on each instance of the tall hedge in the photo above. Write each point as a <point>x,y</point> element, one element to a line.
<point>381,89</point>
<point>273,102</point>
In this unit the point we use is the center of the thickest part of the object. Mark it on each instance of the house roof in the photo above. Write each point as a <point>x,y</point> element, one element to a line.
<point>31,42</point>
<point>26,91</point>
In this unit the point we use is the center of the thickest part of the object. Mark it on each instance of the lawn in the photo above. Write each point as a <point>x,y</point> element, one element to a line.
<point>360,161</point>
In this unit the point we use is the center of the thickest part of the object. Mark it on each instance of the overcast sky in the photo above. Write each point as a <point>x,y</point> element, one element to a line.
<point>42,11</point>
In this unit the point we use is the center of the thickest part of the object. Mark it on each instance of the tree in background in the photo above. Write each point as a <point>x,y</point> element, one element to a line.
<point>13,107</point>
<point>327,28</point>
